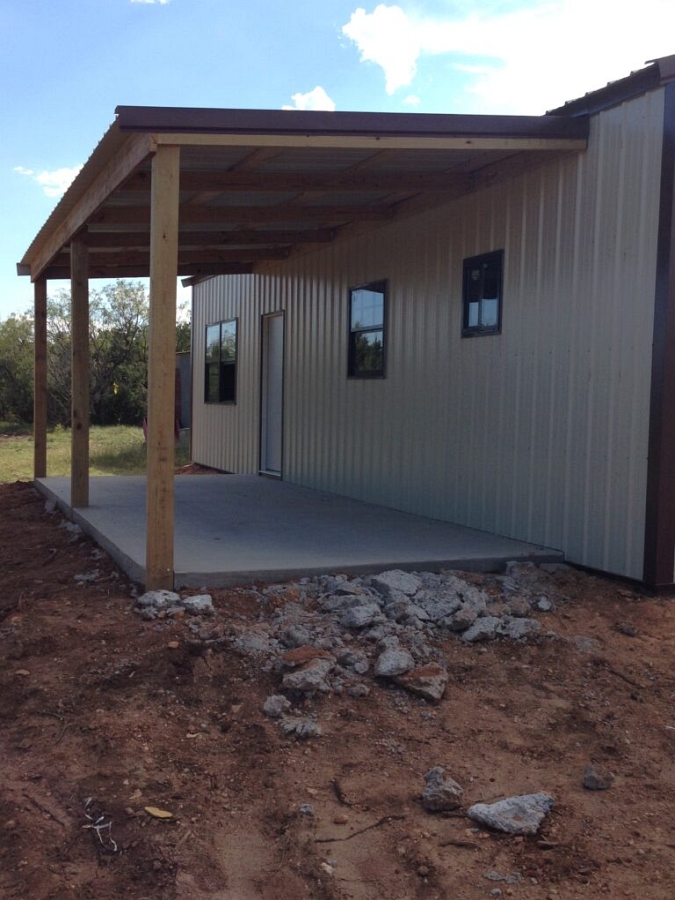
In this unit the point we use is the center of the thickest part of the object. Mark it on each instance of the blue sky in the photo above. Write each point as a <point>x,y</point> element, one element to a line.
<point>66,64</point>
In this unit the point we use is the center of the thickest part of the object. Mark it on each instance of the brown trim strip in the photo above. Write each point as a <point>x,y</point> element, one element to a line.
<point>188,120</point>
<point>659,555</point>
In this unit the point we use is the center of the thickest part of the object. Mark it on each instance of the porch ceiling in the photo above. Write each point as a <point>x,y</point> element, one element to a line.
<point>259,186</point>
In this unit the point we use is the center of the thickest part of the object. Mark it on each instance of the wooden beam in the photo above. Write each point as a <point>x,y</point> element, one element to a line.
<point>79,292</point>
<point>161,369</point>
<point>132,153</point>
<point>143,271</point>
<point>371,142</point>
<point>139,239</point>
<point>361,181</point>
<point>141,258</point>
<point>216,216</point>
<point>40,381</point>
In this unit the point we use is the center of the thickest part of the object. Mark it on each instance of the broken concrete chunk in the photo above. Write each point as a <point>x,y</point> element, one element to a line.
<point>597,779</point>
<point>310,678</point>
<point>429,681</point>
<point>437,605</point>
<point>275,706</point>
<point>441,793</point>
<point>515,815</point>
<point>461,620</point>
<point>150,604</point>
<point>302,729</point>
<point>361,616</point>
<point>517,629</point>
<point>485,629</point>
<point>394,661</point>
<point>396,580</point>
<point>199,605</point>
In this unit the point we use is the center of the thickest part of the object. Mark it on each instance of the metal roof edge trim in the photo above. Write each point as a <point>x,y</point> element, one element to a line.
<point>301,122</point>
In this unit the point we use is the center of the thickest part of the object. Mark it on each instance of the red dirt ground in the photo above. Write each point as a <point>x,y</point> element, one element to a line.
<point>97,703</point>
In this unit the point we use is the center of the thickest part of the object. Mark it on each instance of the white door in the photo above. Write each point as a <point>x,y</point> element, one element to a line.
<point>271,401</point>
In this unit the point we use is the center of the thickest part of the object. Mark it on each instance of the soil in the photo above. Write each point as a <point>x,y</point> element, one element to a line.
<point>103,714</point>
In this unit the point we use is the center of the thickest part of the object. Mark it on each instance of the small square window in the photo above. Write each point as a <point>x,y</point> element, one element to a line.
<point>366,330</point>
<point>482,294</point>
<point>220,370</point>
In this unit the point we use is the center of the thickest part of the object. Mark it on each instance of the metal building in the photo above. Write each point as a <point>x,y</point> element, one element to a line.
<point>467,317</point>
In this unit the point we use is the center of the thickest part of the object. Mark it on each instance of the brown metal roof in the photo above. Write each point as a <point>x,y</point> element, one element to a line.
<point>258,185</point>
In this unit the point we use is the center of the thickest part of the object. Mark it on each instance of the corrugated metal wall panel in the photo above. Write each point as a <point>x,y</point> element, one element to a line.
<point>540,432</point>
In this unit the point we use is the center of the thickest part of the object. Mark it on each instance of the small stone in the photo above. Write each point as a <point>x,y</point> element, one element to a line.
<point>341,819</point>
<point>441,793</point>
<point>544,604</point>
<point>275,706</point>
<point>597,779</point>
<point>628,629</point>
<point>358,691</point>
<point>429,681</point>
<point>515,815</point>
<point>307,810</point>
<point>393,661</point>
<point>173,645</point>
<point>519,607</point>
<point>150,603</point>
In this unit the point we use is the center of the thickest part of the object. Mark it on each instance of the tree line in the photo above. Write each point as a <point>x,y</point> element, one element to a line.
<point>118,353</point>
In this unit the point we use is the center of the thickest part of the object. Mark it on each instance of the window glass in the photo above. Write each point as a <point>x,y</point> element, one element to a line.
<point>220,369</point>
<point>482,294</point>
<point>366,330</point>
<point>213,343</point>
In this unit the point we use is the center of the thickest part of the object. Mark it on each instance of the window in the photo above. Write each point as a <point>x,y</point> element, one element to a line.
<point>366,330</point>
<point>482,294</point>
<point>220,381</point>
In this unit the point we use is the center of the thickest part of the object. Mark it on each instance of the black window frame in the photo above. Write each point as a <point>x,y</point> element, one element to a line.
<point>471,263</point>
<point>225,365</point>
<point>353,334</point>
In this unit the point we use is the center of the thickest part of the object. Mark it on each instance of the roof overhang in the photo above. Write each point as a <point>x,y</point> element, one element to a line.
<point>260,186</point>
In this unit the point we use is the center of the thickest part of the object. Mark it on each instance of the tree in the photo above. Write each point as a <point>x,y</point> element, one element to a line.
<point>118,350</point>
<point>16,369</point>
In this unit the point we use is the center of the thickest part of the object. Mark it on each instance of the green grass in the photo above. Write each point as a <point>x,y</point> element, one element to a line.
<point>113,450</point>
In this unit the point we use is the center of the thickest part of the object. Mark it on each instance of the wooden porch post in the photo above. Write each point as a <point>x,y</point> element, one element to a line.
<point>40,380</point>
<point>161,366</point>
<point>79,292</point>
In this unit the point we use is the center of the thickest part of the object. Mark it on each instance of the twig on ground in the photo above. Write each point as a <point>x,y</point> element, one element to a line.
<point>382,821</point>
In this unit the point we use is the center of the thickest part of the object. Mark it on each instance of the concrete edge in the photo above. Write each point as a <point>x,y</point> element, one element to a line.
<point>130,567</point>
<point>267,576</point>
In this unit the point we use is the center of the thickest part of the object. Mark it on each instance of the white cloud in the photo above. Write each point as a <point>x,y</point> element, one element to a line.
<point>525,60</point>
<point>316,99</point>
<point>159,2</point>
<point>412,100</point>
<point>55,183</point>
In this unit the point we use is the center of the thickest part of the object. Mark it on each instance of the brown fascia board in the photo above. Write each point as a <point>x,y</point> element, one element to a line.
<point>181,120</point>
<point>656,73</point>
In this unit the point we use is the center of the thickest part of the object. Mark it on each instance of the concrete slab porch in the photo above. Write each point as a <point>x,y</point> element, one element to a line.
<point>236,529</point>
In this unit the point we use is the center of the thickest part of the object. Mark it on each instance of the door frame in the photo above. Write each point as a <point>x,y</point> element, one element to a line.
<point>265,320</point>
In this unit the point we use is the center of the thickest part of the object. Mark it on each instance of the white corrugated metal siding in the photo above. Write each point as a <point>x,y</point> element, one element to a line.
<point>539,433</point>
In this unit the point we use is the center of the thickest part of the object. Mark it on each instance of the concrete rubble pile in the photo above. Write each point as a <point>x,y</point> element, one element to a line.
<point>335,634</point>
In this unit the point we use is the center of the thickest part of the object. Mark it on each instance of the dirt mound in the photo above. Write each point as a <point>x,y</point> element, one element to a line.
<point>104,715</point>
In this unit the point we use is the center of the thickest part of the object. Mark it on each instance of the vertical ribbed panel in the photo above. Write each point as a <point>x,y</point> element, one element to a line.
<point>539,433</point>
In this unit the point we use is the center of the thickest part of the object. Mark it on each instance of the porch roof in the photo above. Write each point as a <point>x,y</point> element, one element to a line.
<point>258,186</point>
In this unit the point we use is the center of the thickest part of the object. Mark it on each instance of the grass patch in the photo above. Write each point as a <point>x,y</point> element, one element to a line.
<point>113,450</point>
